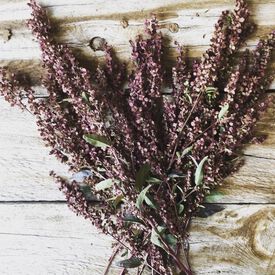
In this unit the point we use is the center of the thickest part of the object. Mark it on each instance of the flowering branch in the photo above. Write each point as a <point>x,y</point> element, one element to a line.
<point>143,162</point>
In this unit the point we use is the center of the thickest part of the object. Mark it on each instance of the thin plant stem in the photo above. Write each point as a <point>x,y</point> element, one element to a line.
<point>111,259</point>
<point>179,135</point>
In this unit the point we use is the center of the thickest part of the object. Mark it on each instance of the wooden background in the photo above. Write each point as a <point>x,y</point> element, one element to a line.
<point>38,234</point>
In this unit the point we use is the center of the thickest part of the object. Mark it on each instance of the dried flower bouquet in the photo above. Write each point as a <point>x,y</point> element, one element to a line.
<point>144,161</point>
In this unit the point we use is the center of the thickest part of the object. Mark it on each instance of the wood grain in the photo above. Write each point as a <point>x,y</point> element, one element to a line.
<point>38,233</point>
<point>49,239</point>
<point>240,239</point>
<point>88,19</point>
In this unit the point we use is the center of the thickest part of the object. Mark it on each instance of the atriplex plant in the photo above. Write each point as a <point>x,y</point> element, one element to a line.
<point>146,158</point>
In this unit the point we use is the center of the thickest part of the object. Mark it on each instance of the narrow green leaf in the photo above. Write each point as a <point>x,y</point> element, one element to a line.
<point>141,196</point>
<point>199,172</point>
<point>214,196</point>
<point>186,151</point>
<point>133,219</point>
<point>84,96</point>
<point>104,184</point>
<point>130,263</point>
<point>155,237</point>
<point>171,239</point>
<point>97,141</point>
<point>66,100</point>
<point>180,208</point>
<point>210,89</point>
<point>125,253</point>
<point>101,169</point>
<point>149,201</point>
<point>194,161</point>
<point>153,180</point>
<point>175,175</point>
<point>116,200</point>
<point>142,175</point>
<point>223,111</point>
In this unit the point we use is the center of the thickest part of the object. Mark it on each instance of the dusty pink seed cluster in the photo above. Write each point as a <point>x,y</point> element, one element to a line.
<point>143,161</point>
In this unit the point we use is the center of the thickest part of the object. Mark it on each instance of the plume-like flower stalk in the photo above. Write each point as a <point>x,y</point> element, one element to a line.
<point>143,161</point>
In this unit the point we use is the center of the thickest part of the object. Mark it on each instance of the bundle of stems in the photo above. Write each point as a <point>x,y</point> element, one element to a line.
<point>147,158</point>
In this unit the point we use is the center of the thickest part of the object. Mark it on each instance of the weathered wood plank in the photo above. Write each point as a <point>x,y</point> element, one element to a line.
<point>25,163</point>
<point>240,239</point>
<point>77,25</point>
<point>24,160</point>
<point>49,239</point>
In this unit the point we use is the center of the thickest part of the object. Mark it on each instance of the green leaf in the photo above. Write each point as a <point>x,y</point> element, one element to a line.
<point>214,196</point>
<point>171,239</point>
<point>223,111</point>
<point>100,169</point>
<point>104,184</point>
<point>194,161</point>
<point>125,253</point>
<point>153,180</point>
<point>116,200</point>
<point>130,263</point>
<point>97,141</point>
<point>141,197</point>
<point>70,100</point>
<point>84,96</point>
<point>155,237</point>
<point>132,219</point>
<point>211,90</point>
<point>142,175</point>
<point>85,189</point>
<point>186,151</point>
<point>199,172</point>
<point>149,200</point>
<point>180,208</point>
<point>176,175</point>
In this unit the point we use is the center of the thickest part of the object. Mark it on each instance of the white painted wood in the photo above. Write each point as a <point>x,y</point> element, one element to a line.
<point>24,160</point>
<point>49,239</point>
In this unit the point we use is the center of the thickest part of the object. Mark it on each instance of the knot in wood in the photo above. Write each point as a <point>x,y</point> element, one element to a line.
<point>173,27</point>
<point>97,43</point>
